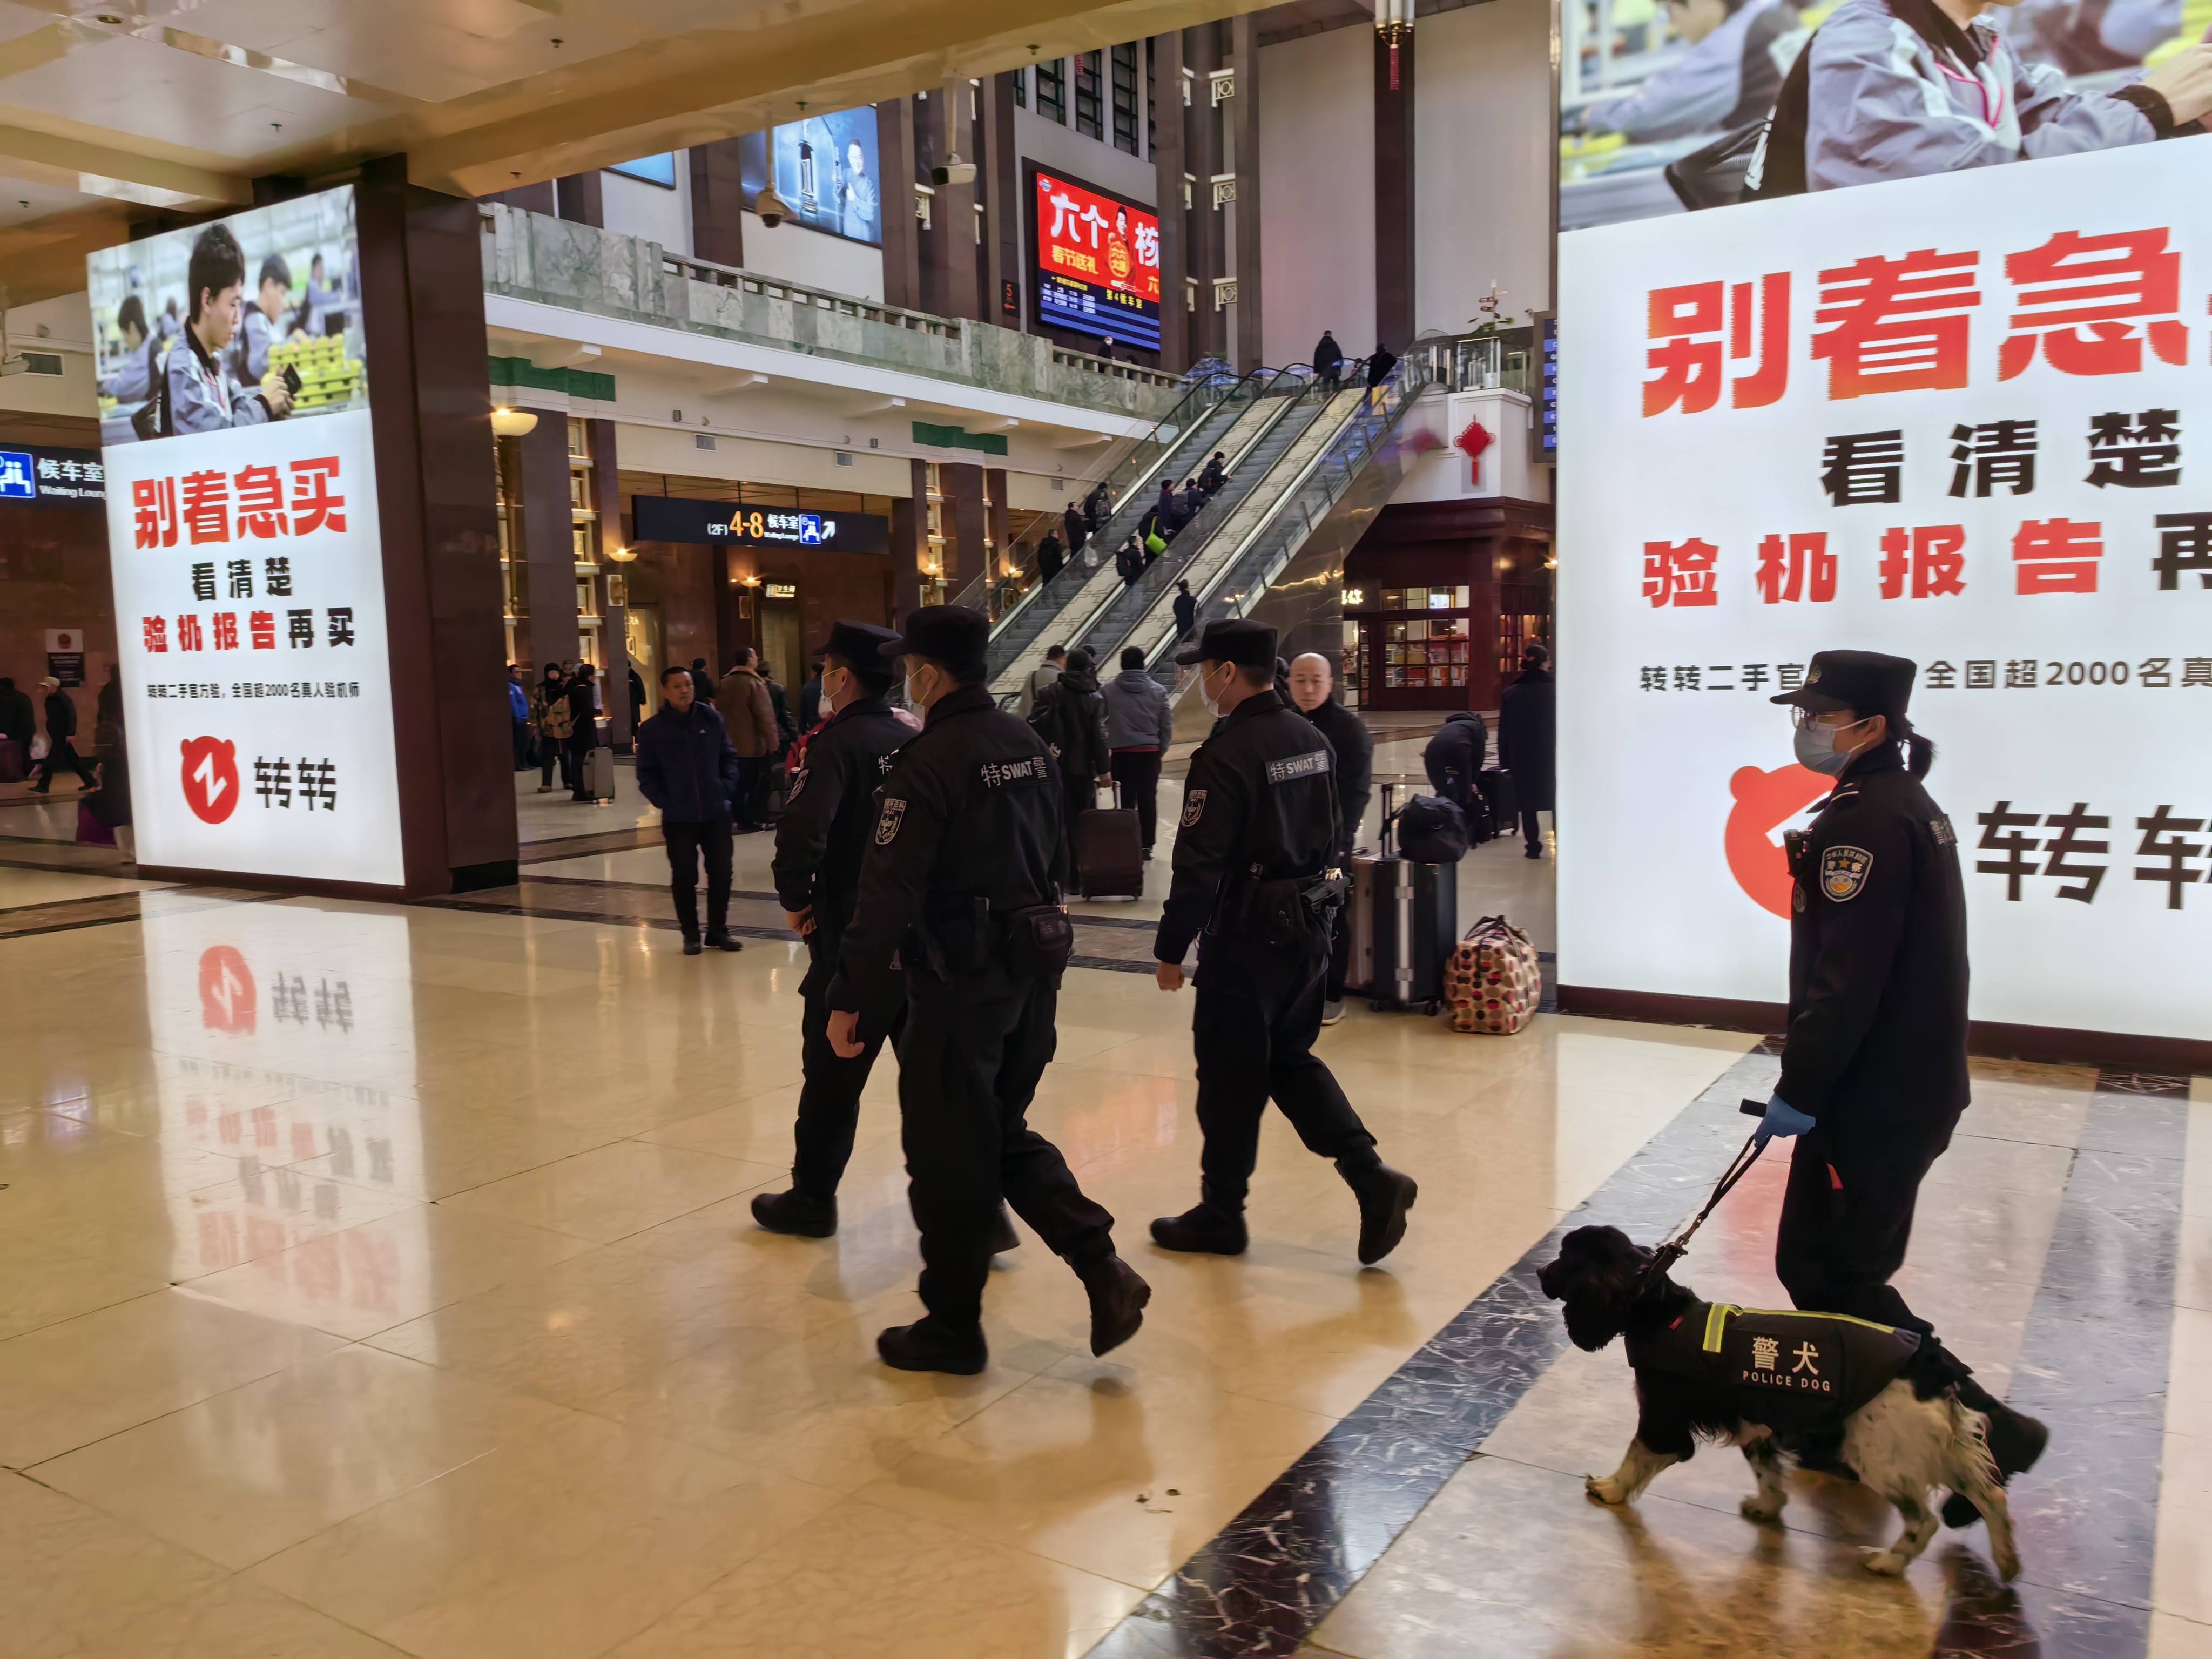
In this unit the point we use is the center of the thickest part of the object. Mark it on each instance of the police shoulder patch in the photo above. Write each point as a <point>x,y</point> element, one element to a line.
<point>1194,806</point>
<point>1844,872</point>
<point>887,826</point>
<point>1941,832</point>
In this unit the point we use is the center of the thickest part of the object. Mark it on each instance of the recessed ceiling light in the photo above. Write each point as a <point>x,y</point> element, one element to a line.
<point>110,19</point>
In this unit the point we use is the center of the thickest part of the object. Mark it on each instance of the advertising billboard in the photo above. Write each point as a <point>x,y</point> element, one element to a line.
<point>1966,419</point>
<point>243,544</point>
<point>825,168</point>
<point>1096,260</point>
<point>729,524</point>
<point>1663,104</point>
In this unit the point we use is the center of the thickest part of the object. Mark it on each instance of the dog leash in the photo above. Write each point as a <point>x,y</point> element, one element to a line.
<point>1664,1258</point>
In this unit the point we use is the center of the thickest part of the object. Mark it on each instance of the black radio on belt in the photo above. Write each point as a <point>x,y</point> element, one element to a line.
<point>1797,847</point>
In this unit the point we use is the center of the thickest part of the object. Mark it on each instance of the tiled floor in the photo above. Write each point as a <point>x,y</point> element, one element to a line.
<point>379,1280</point>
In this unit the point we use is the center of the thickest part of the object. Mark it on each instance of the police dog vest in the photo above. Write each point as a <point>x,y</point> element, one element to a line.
<point>1800,1373</point>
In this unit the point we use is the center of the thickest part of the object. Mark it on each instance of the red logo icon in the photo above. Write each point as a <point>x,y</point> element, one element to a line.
<point>211,778</point>
<point>1763,801</point>
<point>226,990</point>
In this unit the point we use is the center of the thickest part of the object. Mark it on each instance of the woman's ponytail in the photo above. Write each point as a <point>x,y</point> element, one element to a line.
<point>1919,752</point>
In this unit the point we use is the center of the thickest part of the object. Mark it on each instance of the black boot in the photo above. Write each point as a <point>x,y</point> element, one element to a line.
<point>1118,1297</point>
<point>1003,1235</point>
<point>1206,1228</point>
<point>798,1213</point>
<point>1384,1194</point>
<point>2015,1441</point>
<point>926,1346</point>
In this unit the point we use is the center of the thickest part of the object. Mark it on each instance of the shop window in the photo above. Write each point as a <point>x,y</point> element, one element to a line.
<point>1052,90</point>
<point>1090,112</point>
<point>1021,88</point>
<point>1125,99</point>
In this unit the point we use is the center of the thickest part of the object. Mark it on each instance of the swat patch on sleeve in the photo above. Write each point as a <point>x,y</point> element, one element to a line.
<point>887,826</point>
<point>1844,872</point>
<point>1299,766</point>
<point>1194,806</point>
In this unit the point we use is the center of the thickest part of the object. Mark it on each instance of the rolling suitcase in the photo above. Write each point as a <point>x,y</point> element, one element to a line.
<point>599,773</point>
<point>1414,925</point>
<point>1109,853</point>
<point>1501,798</point>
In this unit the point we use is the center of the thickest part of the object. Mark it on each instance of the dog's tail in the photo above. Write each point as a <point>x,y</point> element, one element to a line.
<point>1970,1465</point>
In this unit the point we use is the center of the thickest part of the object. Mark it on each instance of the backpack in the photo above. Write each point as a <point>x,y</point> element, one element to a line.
<point>1493,985</point>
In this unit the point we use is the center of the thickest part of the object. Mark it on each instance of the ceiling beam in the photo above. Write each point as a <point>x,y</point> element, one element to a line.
<point>99,169</point>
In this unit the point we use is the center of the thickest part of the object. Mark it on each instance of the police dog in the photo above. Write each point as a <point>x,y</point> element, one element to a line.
<point>1909,1439</point>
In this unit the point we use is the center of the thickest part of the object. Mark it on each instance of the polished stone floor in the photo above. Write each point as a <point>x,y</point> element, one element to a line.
<point>378,1280</point>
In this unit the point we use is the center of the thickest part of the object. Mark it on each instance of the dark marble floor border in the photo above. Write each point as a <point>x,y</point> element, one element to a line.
<point>1276,1571</point>
<point>110,910</point>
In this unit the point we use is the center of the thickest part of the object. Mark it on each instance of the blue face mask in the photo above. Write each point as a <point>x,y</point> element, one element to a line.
<point>1817,750</point>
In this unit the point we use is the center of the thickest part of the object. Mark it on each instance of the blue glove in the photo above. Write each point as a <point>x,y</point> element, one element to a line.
<point>1782,1119</point>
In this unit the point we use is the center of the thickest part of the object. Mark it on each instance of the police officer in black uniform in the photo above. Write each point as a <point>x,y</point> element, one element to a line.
<point>818,842</point>
<point>960,882</point>
<point>1874,1067</point>
<point>1256,883</point>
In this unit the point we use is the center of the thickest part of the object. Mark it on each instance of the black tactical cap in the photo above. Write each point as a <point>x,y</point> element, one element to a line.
<point>1247,644</point>
<point>861,644</point>
<point>949,633</point>
<point>1864,681</point>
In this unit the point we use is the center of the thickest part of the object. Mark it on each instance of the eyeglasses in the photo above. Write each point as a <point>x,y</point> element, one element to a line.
<point>1834,718</point>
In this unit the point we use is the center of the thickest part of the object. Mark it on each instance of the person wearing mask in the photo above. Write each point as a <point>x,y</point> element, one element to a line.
<point>1050,556</point>
<point>200,393</point>
<point>133,380</point>
<point>1070,717</point>
<point>750,714</point>
<point>959,883</point>
<point>518,709</point>
<point>61,741</point>
<point>1074,527</point>
<point>1139,730</point>
<point>1528,727</point>
<point>1725,77</point>
<point>1186,611</point>
<point>549,710</point>
<point>818,846</point>
<point>265,320</point>
<point>582,695</point>
<point>1313,687</point>
<point>1328,361</point>
<point>1055,660</point>
<point>1256,875</point>
<point>1454,756</point>
<point>686,768</point>
<point>1874,1058</point>
<point>1901,88</point>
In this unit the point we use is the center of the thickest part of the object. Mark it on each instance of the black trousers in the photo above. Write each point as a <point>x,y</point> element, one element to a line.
<point>1532,832</point>
<point>1137,781</point>
<point>554,751</point>
<point>829,1099</point>
<point>1340,952</point>
<point>1847,1218</point>
<point>522,745</point>
<point>1258,1013</point>
<point>970,1060</point>
<point>579,746</point>
<point>750,768</point>
<point>686,841</point>
<point>61,757</point>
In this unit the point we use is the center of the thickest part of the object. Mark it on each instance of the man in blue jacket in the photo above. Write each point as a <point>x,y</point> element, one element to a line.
<point>688,768</point>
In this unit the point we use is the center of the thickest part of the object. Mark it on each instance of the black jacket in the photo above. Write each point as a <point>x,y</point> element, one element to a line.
<point>1186,613</point>
<point>17,719</point>
<point>685,764</point>
<point>1071,717</point>
<point>1527,736</point>
<point>1353,746</point>
<point>824,832</point>
<point>970,816</point>
<point>582,700</point>
<point>1795,1372</point>
<point>61,716</point>
<point>1877,1034</point>
<point>1454,757</point>
<point>1259,805</point>
<point>1328,355</point>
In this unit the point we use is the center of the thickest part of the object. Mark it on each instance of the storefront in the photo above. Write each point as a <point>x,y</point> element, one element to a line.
<point>1439,598</point>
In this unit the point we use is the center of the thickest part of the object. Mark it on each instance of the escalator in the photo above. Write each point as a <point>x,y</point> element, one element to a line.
<point>1047,613</point>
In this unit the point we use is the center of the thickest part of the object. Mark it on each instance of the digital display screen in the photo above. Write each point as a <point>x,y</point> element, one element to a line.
<point>731,524</point>
<point>825,168</point>
<point>1097,261</point>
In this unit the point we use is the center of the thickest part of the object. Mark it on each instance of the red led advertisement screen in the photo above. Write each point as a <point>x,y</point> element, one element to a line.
<point>1096,260</point>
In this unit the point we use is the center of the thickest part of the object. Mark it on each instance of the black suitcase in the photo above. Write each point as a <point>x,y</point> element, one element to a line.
<point>1501,798</point>
<point>1413,925</point>
<point>1109,853</point>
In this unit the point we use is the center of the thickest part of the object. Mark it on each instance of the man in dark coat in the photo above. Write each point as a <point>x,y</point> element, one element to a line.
<point>61,741</point>
<point>1075,528</point>
<point>584,735</point>
<point>1050,556</point>
<point>1527,726</point>
<point>1328,360</point>
<point>1380,365</point>
<point>1454,757</point>
<point>18,720</point>
<point>1070,717</point>
<point>1186,611</point>
<point>686,768</point>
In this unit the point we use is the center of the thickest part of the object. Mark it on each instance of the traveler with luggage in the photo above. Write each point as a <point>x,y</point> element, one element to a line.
<point>1256,875</point>
<point>686,768</point>
<point>1139,730</point>
<point>958,883</point>
<point>1454,757</point>
<point>1070,717</point>
<point>550,720</point>
<point>1312,690</point>
<point>1527,726</point>
<point>819,842</point>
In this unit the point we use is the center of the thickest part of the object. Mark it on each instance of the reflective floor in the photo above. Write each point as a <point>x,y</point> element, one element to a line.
<point>380,1280</point>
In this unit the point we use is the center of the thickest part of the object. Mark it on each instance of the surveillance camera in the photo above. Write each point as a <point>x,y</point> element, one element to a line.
<point>772,208</point>
<point>954,171</point>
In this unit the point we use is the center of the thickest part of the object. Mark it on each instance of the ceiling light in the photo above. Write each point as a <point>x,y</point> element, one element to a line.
<point>512,422</point>
<point>622,555</point>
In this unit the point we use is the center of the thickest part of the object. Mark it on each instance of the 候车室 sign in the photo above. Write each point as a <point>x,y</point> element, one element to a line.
<point>731,524</point>
<point>1967,419</point>
<point>1097,261</point>
<point>40,476</point>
